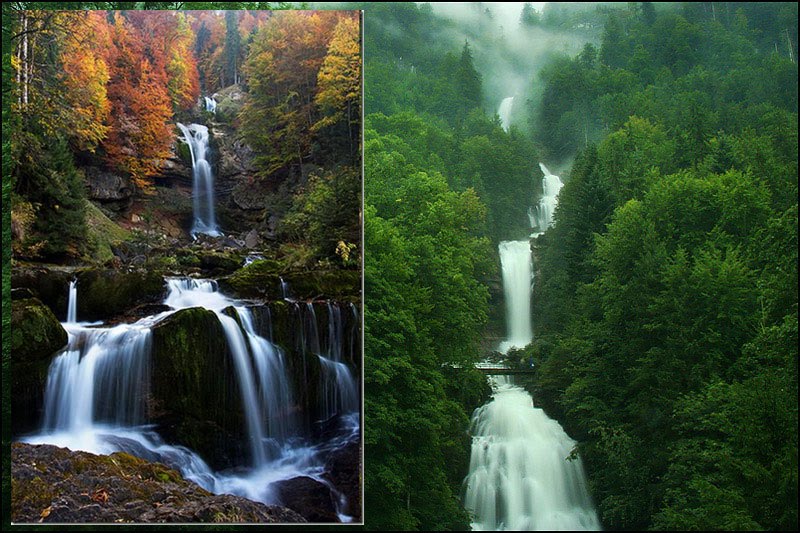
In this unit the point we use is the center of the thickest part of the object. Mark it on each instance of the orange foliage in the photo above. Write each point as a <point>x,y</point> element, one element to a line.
<point>141,134</point>
<point>85,74</point>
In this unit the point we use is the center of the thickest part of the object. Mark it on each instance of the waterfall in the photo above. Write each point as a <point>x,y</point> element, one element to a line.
<point>101,376</point>
<point>275,392</point>
<point>339,390</point>
<point>211,104</point>
<point>542,216</point>
<point>97,391</point>
<point>505,112</point>
<point>72,304</point>
<point>521,474</point>
<point>285,294</point>
<point>196,136</point>
<point>247,386</point>
<point>515,259</point>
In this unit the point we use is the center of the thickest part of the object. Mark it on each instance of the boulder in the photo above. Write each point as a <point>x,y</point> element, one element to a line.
<point>56,485</point>
<point>106,293</point>
<point>262,279</point>
<point>343,470</point>
<point>106,186</point>
<point>36,335</point>
<point>50,285</point>
<point>310,498</point>
<point>252,239</point>
<point>195,398</point>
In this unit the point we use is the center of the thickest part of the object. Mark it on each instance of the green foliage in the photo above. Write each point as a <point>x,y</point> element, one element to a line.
<point>666,302</point>
<point>49,179</point>
<point>326,212</point>
<point>425,307</point>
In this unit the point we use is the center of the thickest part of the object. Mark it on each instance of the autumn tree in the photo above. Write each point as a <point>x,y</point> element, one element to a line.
<point>282,70</point>
<point>339,82</point>
<point>140,136</point>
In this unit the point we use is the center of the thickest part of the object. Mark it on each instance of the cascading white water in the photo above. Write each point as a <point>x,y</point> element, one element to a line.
<point>542,216</point>
<point>275,392</point>
<point>339,390</point>
<point>505,112</point>
<point>521,474</point>
<point>97,388</point>
<point>515,259</point>
<point>72,302</point>
<point>211,104</point>
<point>101,377</point>
<point>196,136</point>
<point>285,293</point>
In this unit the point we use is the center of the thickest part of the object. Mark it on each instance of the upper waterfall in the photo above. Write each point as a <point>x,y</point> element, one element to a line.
<point>505,112</point>
<point>196,136</point>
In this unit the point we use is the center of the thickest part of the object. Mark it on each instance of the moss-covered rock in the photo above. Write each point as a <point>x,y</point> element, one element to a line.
<point>36,335</point>
<point>195,396</point>
<point>220,262</point>
<point>103,293</point>
<point>50,285</point>
<point>262,279</point>
<point>56,485</point>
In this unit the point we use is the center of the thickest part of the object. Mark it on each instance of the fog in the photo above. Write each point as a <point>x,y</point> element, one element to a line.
<point>507,54</point>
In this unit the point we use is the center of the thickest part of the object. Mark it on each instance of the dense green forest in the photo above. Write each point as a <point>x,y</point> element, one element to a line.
<point>666,297</point>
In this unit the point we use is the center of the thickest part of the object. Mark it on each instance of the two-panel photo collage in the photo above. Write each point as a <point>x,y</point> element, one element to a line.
<point>400,265</point>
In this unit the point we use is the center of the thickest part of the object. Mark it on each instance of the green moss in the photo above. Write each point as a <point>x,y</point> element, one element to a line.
<point>195,398</point>
<point>262,279</point>
<point>108,292</point>
<point>184,152</point>
<point>259,278</point>
<point>36,333</point>
<point>102,234</point>
<point>35,493</point>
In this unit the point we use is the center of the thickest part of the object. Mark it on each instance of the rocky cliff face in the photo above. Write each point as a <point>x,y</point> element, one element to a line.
<point>56,485</point>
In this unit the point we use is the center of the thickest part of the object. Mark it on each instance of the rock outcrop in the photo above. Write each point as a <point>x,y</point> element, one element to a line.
<point>103,293</point>
<point>36,335</point>
<point>262,279</point>
<point>106,186</point>
<point>309,497</point>
<point>56,485</point>
<point>195,399</point>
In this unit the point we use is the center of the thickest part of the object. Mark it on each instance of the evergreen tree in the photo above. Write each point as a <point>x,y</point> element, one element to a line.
<point>232,48</point>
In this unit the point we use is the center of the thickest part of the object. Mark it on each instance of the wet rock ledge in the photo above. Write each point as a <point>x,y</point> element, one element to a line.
<point>56,485</point>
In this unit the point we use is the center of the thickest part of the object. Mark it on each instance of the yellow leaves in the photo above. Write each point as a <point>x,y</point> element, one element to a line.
<point>46,512</point>
<point>339,78</point>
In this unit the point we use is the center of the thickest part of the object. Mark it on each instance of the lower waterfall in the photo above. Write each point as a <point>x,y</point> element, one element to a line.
<point>98,388</point>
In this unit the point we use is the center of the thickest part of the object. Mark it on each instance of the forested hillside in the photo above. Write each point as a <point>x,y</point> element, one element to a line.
<point>666,297</point>
<point>665,294</point>
<point>98,160</point>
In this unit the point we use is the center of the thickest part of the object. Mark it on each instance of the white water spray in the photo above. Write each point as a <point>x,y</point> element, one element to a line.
<point>196,136</point>
<point>505,112</point>
<point>211,104</point>
<point>72,303</point>
<point>521,474</point>
<point>97,388</point>
<point>541,216</point>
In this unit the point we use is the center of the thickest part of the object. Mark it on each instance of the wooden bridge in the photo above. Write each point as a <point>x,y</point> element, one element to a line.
<point>499,370</point>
